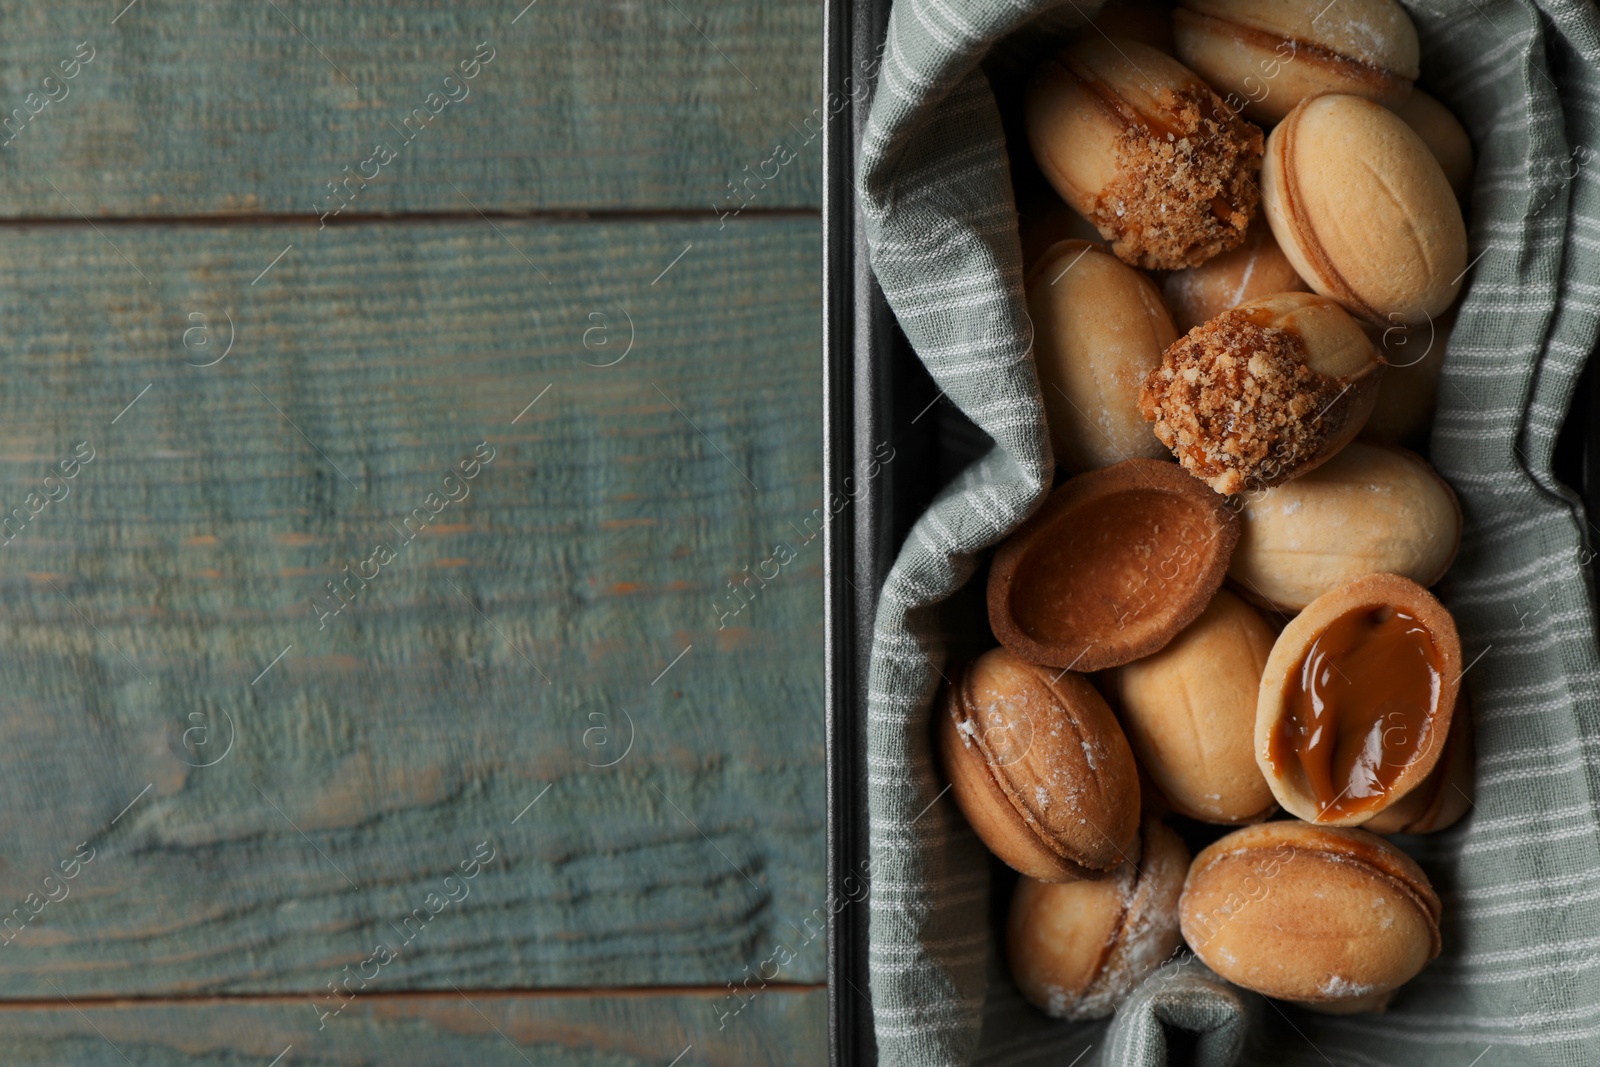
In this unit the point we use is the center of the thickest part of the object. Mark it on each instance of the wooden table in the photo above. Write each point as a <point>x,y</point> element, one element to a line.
<point>401,422</point>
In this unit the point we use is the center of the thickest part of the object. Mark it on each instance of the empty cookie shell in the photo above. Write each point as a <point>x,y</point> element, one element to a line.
<point>1356,700</point>
<point>1077,949</point>
<point>1335,919</point>
<point>1112,567</point>
<point>1039,766</point>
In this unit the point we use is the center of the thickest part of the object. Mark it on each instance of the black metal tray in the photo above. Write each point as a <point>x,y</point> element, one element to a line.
<point>876,391</point>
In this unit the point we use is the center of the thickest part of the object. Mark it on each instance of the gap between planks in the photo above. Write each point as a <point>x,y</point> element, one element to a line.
<point>574,215</point>
<point>553,993</point>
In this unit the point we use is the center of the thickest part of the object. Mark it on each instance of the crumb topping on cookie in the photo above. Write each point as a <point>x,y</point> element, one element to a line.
<point>1236,403</point>
<point>1186,192</point>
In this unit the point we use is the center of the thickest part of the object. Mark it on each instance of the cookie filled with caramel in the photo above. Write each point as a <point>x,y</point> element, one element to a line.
<point>1333,919</point>
<point>1268,55</point>
<point>1356,700</point>
<point>1078,949</point>
<point>1189,712</point>
<point>1368,510</point>
<point>1263,392</point>
<point>1139,145</point>
<point>1444,797</point>
<point>1364,211</point>
<point>1039,766</point>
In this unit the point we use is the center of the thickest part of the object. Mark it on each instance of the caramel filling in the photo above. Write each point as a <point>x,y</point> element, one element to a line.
<point>1359,710</point>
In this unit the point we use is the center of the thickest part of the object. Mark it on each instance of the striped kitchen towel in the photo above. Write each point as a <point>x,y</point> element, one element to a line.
<point>1519,978</point>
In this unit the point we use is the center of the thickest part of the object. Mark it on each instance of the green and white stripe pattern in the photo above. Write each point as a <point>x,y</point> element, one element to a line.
<point>1519,978</point>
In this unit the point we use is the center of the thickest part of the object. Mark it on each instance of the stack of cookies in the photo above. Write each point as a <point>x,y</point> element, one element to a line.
<point>1221,615</point>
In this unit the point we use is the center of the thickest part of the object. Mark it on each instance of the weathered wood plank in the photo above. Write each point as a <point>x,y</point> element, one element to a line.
<point>198,109</point>
<point>779,1026</point>
<point>533,631</point>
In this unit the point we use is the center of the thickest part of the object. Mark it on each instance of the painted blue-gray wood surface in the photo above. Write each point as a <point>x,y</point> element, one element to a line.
<point>160,608</point>
<point>241,108</point>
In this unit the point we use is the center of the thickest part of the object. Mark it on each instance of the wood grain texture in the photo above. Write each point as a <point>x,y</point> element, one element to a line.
<point>228,108</point>
<point>778,1027</point>
<point>512,646</point>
